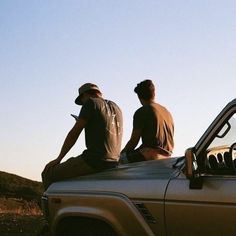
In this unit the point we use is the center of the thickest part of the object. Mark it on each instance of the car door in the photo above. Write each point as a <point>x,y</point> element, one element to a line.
<point>209,208</point>
<point>207,211</point>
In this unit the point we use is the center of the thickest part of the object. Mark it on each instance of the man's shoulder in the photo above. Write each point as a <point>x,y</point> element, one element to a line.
<point>159,106</point>
<point>164,111</point>
<point>112,104</point>
<point>144,108</point>
<point>140,111</point>
<point>101,100</point>
<point>95,102</point>
<point>101,103</point>
<point>150,108</point>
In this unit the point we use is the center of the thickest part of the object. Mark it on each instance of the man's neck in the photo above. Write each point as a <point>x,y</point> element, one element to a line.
<point>147,102</point>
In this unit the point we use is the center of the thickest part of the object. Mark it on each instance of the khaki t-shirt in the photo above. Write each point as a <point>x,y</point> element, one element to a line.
<point>157,126</point>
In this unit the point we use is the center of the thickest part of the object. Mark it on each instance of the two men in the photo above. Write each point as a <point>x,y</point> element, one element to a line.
<point>102,121</point>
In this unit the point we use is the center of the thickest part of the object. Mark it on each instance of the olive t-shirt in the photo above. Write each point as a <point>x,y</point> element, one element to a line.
<point>156,125</point>
<point>103,132</point>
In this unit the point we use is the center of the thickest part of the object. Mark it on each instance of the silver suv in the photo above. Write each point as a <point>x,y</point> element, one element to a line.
<point>190,195</point>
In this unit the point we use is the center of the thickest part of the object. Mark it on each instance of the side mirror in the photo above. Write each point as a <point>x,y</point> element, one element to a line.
<point>191,168</point>
<point>189,163</point>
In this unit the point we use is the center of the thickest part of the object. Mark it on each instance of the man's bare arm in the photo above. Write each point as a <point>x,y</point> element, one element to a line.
<point>72,137</point>
<point>69,142</point>
<point>133,142</point>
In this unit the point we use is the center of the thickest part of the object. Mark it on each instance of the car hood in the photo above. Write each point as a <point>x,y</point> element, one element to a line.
<point>133,180</point>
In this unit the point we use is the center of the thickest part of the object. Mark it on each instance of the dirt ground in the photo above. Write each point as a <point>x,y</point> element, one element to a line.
<point>21,225</point>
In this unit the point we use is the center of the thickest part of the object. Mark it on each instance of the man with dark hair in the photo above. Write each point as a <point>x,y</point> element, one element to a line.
<point>152,123</point>
<point>102,121</point>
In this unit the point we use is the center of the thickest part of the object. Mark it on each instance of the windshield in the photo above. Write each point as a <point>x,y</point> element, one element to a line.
<point>221,153</point>
<point>227,135</point>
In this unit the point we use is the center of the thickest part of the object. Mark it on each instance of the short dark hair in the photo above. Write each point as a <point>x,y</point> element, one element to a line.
<point>145,90</point>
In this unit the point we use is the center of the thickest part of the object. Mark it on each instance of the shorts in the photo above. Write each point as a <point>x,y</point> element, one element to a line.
<point>73,167</point>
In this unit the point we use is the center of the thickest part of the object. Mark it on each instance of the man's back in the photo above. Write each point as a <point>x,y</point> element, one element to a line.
<point>103,132</point>
<point>157,126</point>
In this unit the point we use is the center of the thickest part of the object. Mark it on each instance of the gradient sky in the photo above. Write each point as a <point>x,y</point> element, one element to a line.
<point>49,48</point>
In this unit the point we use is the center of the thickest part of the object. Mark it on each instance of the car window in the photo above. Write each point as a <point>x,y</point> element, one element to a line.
<point>220,158</point>
<point>230,136</point>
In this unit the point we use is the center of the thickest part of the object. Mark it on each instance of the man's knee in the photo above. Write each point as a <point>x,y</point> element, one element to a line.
<point>44,174</point>
<point>47,178</point>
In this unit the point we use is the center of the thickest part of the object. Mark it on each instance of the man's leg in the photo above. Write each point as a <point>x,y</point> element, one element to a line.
<point>73,167</point>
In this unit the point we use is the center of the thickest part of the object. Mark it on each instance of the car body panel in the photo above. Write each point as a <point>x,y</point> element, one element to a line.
<point>86,196</point>
<point>127,179</point>
<point>112,208</point>
<point>206,211</point>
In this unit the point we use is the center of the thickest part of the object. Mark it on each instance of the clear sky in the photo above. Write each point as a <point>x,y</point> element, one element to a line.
<point>49,48</point>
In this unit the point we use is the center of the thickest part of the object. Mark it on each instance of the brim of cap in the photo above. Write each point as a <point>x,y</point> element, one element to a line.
<point>78,100</point>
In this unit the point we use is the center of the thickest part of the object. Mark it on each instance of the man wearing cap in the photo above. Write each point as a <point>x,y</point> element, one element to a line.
<point>103,124</point>
<point>153,124</point>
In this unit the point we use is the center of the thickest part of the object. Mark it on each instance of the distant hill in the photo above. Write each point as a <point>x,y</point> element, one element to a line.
<point>14,186</point>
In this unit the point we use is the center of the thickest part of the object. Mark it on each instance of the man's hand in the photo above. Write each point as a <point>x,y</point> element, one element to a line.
<point>52,163</point>
<point>133,142</point>
<point>123,158</point>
